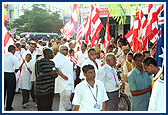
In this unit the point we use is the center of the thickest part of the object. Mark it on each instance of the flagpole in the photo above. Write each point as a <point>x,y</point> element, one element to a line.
<point>109,34</point>
<point>110,38</point>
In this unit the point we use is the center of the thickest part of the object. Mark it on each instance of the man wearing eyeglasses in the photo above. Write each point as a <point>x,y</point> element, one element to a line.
<point>64,84</point>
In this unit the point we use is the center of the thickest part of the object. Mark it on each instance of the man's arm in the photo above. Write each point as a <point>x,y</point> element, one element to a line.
<point>104,106</point>
<point>62,75</point>
<point>140,92</point>
<point>76,107</point>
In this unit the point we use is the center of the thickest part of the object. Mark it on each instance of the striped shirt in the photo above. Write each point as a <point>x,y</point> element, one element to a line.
<point>44,85</point>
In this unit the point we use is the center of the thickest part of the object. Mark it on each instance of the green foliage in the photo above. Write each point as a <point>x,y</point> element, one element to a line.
<point>39,19</point>
<point>119,11</point>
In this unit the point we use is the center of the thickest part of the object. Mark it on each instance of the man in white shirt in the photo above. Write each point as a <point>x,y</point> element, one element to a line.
<point>120,44</point>
<point>18,55</point>
<point>150,66</point>
<point>81,55</point>
<point>64,83</point>
<point>90,94</point>
<point>11,65</point>
<point>31,51</point>
<point>92,60</point>
<point>157,101</point>
<point>108,76</point>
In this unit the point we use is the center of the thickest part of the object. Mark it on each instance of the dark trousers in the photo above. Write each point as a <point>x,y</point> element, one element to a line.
<point>112,103</point>
<point>9,88</point>
<point>25,96</point>
<point>44,102</point>
<point>78,80</point>
<point>34,90</point>
<point>32,93</point>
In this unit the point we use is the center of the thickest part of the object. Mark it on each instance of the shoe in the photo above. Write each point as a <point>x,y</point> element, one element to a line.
<point>17,92</point>
<point>24,105</point>
<point>9,109</point>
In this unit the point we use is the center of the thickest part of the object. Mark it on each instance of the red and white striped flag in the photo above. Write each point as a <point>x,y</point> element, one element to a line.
<point>81,31</point>
<point>133,35</point>
<point>73,59</point>
<point>94,25</point>
<point>5,34</point>
<point>143,24</point>
<point>7,39</point>
<point>152,25</point>
<point>107,35</point>
<point>117,62</point>
<point>101,58</point>
<point>102,55</point>
<point>101,61</point>
<point>69,27</point>
<point>88,29</point>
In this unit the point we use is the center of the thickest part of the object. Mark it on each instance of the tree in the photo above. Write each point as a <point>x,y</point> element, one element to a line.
<point>39,19</point>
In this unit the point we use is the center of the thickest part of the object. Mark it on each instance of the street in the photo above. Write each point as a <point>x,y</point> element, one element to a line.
<point>17,104</point>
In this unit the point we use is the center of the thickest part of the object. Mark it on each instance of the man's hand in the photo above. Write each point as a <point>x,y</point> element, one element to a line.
<point>64,77</point>
<point>54,73</point>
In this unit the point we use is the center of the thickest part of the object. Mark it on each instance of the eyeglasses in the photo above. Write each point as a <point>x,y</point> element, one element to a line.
<point>65,49</point>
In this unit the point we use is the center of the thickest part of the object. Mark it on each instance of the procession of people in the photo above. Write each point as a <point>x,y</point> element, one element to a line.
<point>90,71</point>
<point>85,78</point>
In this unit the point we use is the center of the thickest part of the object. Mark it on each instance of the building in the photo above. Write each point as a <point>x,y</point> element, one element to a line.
<point>65,10</point>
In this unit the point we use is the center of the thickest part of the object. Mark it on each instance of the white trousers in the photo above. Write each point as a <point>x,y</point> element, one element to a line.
<point>17,81</point>
<point>65,103</point>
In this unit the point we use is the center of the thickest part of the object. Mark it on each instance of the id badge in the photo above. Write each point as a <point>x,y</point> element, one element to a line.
<point>116,85</point>
<point>97,106</point>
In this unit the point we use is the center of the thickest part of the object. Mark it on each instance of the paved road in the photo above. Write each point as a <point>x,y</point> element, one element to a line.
<point>17,104</point>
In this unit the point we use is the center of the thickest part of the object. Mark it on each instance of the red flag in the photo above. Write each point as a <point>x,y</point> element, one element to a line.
<point>152,26</point>
<point>133,35</point>
<point>69,27</point>
<point>88,29</point>
<point>143,25</point>
<point>73,59</point>
<point>7,40</point>
<point>107,35</point>
<point>94,25</point>
<point>6,35</point>
<point>81,31</point>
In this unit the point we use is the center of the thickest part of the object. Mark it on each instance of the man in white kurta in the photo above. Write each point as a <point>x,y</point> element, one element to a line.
<point>18,55</point>
<point>25,79</point>
<point>33,53</point>
<point>64,84</point>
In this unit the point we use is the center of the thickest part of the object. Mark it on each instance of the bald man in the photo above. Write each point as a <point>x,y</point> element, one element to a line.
<point>109,77</point>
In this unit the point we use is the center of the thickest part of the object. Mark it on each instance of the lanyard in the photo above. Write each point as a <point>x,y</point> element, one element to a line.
<point>114,77</point>
<point>93,94</point>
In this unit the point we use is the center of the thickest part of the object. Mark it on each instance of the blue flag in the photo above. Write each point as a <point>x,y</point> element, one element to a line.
<point>160,42</point>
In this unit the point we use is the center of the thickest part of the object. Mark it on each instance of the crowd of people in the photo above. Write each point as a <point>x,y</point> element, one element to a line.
<point>86,78</point>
